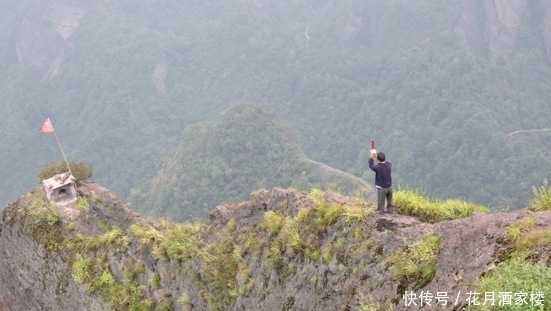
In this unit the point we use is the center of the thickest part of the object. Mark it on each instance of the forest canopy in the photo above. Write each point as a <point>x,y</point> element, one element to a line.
<point>133,82</point>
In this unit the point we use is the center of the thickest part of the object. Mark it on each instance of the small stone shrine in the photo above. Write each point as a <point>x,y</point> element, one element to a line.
<point>60,189</point>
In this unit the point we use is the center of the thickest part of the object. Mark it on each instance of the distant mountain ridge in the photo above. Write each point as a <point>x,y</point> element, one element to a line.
<point>438,84</point>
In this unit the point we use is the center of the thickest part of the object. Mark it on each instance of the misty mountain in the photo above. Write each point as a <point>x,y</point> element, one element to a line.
<point>455,92</point>
<point>244,150</point>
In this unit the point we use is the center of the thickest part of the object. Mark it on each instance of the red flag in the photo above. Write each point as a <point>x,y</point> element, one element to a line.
<point>47,127</point>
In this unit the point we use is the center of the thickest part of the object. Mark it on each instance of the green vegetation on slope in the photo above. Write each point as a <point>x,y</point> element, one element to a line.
<point>522,280</point>
<point>516,284</point>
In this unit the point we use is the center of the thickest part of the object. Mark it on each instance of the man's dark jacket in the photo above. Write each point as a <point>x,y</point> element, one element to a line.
<point>383,177</point>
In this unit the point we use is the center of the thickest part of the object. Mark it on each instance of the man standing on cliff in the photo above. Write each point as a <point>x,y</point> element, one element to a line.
<point>383,181</point>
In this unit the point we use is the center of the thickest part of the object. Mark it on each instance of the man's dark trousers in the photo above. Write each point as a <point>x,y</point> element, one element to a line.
<point>382,194</point>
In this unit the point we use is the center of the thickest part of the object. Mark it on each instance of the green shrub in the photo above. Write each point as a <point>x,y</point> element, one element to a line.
<point>81,171</point>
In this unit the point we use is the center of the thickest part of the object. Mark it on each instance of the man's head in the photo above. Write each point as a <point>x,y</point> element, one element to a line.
<point>381,157</point>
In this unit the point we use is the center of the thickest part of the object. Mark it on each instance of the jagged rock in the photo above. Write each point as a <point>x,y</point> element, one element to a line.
<point>251,213</point>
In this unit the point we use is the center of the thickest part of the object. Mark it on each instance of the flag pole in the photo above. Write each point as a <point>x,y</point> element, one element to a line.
<point>47,127</point>
<point>63,153</point>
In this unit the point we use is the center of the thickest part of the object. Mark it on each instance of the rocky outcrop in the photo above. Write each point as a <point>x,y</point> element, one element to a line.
<point>250,256</point>
<point>503,19</point>
<point>41,40</point>
<point>33,277</point>
<point>491,26</point>
<point>546,28</point>
<point>159,75</point>
<point>468,27</point>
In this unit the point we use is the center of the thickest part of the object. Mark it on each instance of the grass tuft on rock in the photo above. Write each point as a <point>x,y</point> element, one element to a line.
<point>416,204</point>
<point>525,235</point>
<point>416,264</point>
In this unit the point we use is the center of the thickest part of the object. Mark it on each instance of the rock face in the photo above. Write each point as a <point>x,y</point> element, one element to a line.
<point>41,40</point>
<point>487,26</point>
<point>546,28</point>
<point>493,26</point>
<point>32,277</point>
<point>242,260</point>
<point>503,19</point>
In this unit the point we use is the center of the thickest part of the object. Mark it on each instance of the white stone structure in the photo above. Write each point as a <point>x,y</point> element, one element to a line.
<point>61,189</point>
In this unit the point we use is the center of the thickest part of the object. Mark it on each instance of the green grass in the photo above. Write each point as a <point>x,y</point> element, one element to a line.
<point>328,213</point>
<point>82,269</point>
<point>113,239</point>
<point>167,304</point>
<point>525,235</point>
<point>185,301</point>
<point>302,234</point>
<point>180,241</point>
<point>516,230</point>
<point>516,276</point>
<point>42,220</point>
<point>356,214</point>
<point>90,268</point>
<point>105,279</point>
<point>417,263</point>
<point>146,234</point>
<point>82,203</point>
<point>155,281</point>
<point>415,204</point>
<point>272,222</point>
<point>534,238</point>
<point>219,259</point>
<point>542,198</point>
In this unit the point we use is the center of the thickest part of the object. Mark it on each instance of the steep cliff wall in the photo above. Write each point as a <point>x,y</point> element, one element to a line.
<point>282,250</point>
<point>42,37</point>
<point>488,25</point>
<point>34,274</point>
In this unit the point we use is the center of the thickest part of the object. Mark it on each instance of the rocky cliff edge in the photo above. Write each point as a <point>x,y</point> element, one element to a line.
<point>281,250</point>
